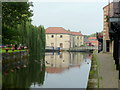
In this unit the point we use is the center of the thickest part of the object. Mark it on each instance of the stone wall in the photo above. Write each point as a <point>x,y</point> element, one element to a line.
<point>67,40</point>
<point>56,40</point>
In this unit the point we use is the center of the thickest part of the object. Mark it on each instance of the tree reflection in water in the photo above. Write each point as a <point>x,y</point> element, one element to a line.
<point>24,72</point>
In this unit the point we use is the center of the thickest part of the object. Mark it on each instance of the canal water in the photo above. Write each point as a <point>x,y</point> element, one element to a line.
<point>52,70</point>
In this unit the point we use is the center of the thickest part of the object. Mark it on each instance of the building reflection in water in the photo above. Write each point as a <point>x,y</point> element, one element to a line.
<point>31,72</point>
<point>59,62</point>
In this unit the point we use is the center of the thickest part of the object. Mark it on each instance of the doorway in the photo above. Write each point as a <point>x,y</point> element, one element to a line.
<point>108,46</point>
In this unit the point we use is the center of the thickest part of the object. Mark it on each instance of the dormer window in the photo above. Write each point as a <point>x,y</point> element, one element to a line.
<point>52,36</point>
<point>61,36</point>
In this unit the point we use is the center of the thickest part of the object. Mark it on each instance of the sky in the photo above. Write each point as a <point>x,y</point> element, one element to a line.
<point>76,15</point>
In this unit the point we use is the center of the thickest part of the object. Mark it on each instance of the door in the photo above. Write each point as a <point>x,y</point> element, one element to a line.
<point>108,46</point>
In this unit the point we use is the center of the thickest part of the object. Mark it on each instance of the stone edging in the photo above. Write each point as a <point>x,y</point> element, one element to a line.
<point>93,81</point>
<point>6,56</point>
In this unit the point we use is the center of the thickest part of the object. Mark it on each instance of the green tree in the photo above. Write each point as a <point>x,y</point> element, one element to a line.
<point>14,13</point>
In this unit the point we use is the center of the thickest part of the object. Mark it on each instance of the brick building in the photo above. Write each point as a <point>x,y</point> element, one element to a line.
<point>92,41</point>
<point>111,32</point>
<point>110,10</point>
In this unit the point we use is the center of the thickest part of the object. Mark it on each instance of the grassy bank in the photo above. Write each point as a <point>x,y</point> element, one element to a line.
<point>9,51</point>
<point>94,71</point>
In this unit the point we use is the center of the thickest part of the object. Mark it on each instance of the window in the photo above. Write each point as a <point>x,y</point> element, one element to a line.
<point>77,37</point>
<point>61,45</point>
<point>52,36</point>
<point>61,36</point>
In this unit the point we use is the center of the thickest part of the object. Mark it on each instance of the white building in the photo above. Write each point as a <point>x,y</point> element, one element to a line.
<point>59,37</point>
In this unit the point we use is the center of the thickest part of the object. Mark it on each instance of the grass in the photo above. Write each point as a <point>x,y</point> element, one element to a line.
<point>9,51</point>
<point>94,72</point>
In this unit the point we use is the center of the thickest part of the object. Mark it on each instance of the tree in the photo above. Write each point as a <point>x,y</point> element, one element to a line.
<point>13,14</point>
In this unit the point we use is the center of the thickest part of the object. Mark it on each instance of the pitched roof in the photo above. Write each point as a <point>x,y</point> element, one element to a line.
<point>56,30</point>
<point>76,33</point>
<point>92,38</point>
<point>60,30</point>
<point>94,41</point>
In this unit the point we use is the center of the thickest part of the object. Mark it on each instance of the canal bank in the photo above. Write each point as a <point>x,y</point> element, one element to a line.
<point>103,73</point>
<point>93,81</point>
<point>6,56</point>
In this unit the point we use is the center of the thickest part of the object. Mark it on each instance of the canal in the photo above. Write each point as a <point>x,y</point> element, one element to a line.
<point>51,70</point>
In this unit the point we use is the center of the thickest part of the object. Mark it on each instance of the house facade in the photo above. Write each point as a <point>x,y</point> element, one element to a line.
<point>58,37</point>
<point>109,10</point>
<point>92,41</point>
<point>78,39</point>
<point>107,44</point>
<point>111,32</point>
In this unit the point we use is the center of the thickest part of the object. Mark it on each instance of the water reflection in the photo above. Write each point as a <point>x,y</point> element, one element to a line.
<point>23,72</point>
<point>66,70</point>
<point>59,62</point>
<point>49,70</point>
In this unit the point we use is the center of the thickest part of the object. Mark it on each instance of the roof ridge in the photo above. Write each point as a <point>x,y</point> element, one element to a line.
<point>61,30</point>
